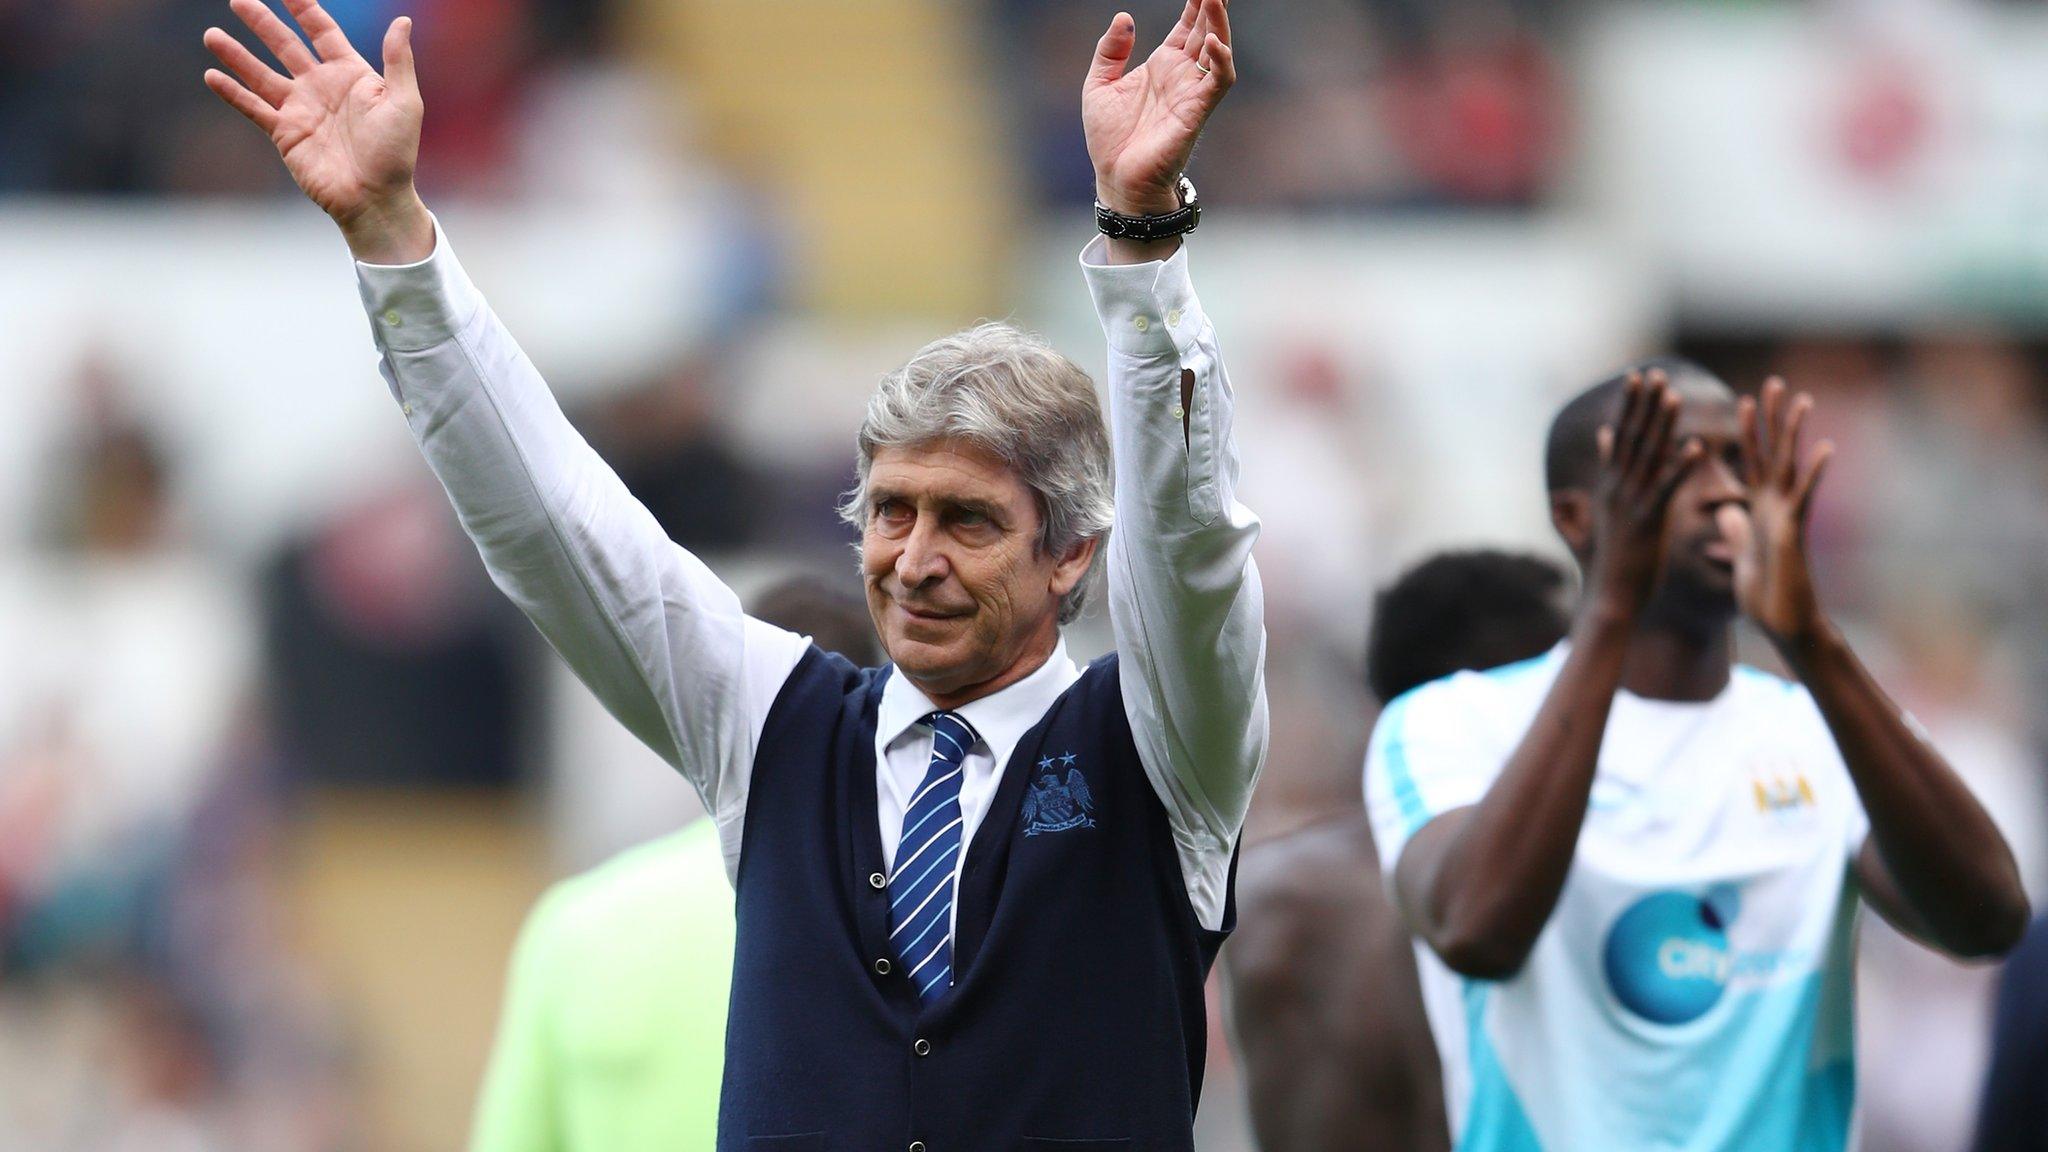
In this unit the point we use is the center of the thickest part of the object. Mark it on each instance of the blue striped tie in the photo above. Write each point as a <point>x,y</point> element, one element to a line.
<point>927,859</point>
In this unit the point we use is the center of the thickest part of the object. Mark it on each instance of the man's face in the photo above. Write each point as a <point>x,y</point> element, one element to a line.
<point>962,596</point>
<point>1699,566</point>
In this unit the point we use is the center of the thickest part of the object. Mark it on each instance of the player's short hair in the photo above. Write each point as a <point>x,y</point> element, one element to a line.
<point>1463,610</point>
<point>1571,454</point>
<point>832,614</point>
<point>1007,392</point>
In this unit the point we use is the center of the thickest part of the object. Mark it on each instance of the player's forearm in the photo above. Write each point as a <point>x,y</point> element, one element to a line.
<point>1946,856</point>
<point>1503,869</point>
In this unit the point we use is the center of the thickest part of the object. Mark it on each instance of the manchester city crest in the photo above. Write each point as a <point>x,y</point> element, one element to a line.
<point>1054,803</point>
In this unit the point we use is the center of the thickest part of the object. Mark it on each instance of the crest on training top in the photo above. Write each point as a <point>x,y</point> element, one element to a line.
<point>1054,803</point>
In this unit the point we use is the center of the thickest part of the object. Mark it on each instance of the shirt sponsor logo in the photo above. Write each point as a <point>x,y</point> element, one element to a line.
<point>1667,957</point>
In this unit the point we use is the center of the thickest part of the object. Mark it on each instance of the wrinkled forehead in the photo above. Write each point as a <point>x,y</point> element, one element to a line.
<point>947,468</point>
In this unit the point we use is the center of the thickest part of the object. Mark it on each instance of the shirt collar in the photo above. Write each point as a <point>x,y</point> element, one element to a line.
<point>1000,718</point>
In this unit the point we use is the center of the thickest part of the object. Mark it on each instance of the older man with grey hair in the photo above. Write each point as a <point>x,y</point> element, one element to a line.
<point>979,889</point>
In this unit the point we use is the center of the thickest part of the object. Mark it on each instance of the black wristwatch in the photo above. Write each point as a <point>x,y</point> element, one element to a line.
<point>1118,226</point>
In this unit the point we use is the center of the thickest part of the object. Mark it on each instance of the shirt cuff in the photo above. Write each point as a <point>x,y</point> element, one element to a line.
<point>414,307</point>
<point>1145,309</point>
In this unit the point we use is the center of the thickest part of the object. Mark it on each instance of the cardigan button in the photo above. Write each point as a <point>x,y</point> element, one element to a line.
<point>923,1047</point>
<point>877,880</point>
<point>917,1146</point>
<point>882,966</point>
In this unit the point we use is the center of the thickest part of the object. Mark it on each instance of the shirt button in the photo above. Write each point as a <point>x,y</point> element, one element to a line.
<point>1141,323</point>
<point>1179,413</point>
<point>882,966</point>
<point>1173,318</point>
<point>923,1047</point>
<point>392,318</point>
<point>406,408</point>
<point>877,880</point>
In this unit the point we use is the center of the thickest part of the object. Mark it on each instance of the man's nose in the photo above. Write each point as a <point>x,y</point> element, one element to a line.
<point>923,558</point>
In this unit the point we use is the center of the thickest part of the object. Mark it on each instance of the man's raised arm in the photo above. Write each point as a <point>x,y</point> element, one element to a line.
<point>1185,601</point>
<point>660,640</point>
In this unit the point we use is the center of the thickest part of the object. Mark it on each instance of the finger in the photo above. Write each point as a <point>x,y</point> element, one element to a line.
<point>1220,62</point>
<point>398,63</point>
<point>1675,472</point>
<point>1770,414</point>
<point>254,74</point>
<point>1745,424</point>
<point>282,41</point>
<point>1656,450</point>
<point>1219,21</point>
<point>1622,431</point>
<point>1802,493</point>
<point>1184,27</point>
<point>1604,440</point>
<point>328,38</point>
<point>1198,35</point>
<point>242,100</point>
<point>1787,462</point>
<point>1635,431</point>
<point>1113,51</point>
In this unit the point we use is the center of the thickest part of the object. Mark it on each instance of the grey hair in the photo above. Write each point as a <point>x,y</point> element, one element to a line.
<point>1009,393</point>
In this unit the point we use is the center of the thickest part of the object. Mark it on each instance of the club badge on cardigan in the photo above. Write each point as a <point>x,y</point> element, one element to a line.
<point>1053,804</point>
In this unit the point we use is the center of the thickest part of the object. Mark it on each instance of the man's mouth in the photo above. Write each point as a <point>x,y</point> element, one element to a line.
<point>925,612</point>
<point>1719,553</point>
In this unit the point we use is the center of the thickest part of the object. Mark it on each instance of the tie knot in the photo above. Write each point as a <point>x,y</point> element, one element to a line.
<point>951,736</point>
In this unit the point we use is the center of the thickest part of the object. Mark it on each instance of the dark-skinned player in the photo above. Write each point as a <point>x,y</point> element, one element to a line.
<point>1634,864</point>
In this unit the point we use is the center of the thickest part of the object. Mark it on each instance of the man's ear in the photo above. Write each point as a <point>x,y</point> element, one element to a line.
<point>1571,513</point>
<point>1073,565</point>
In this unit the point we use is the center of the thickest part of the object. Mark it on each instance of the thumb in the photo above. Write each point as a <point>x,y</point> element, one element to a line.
<point>398,68</point>
<point>1113,51</point>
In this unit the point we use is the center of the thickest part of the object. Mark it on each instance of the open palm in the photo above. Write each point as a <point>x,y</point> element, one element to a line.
<point>1142,123</point>
<point>1773,579</point>
<point>349,136</point>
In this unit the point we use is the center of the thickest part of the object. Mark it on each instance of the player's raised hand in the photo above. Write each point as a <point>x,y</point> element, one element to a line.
<point>1640,468</point>
<point>349,136</point>
<point>1773,580</point>
<point>1142,122</point>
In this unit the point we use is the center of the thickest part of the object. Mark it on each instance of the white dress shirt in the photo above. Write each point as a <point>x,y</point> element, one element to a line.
<point>664,644</point>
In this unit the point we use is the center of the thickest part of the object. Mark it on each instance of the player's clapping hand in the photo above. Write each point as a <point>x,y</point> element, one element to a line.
<point>1141,123</point>
<point>1773,581</point>
<point>1640,468</point>
<point>349,136</point>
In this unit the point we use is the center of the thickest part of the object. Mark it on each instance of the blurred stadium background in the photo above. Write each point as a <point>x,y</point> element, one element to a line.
<point>279,774</point>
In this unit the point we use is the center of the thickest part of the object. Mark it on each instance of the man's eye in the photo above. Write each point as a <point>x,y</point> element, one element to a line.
<point>890,510</point>
<point>969,518</point>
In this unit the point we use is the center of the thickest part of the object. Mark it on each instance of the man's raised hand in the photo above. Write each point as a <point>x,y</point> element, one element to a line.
<point>1142,122</point>
<point>349,136</point>
<point>1773,581</point>
<point>1640,468</point>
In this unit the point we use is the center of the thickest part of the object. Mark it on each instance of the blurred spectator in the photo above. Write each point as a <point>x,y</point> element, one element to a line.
<point>667,443</point>
<point>142,971</point>
<point>1924,1020</point>
<point>102,96</point>
<point>391,661</point>
<point>1355,102</point>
